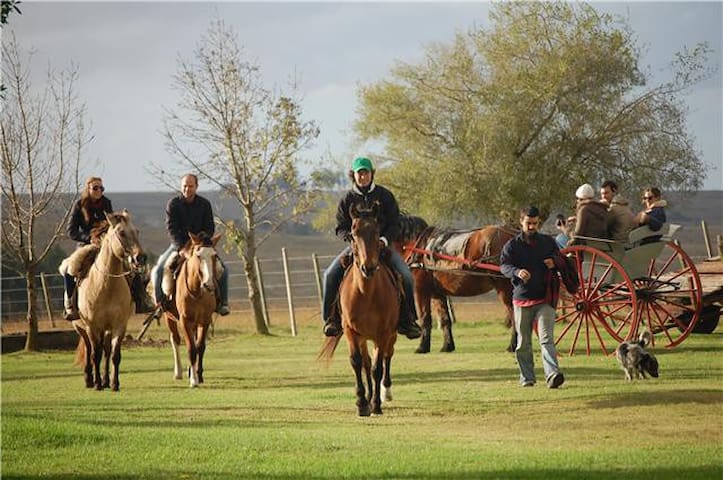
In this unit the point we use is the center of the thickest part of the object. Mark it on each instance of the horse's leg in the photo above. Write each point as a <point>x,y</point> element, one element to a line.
<point>175,343</point>
<point>356,359</point>
<point>386,392</point>
<point>201,333</point>
<point>86,354</point>
<point>377,376</point>
<point>441,308</point>
<point>367,369</point>
<point>424,300</point>
<point>504,295</point>
<point>106,360</point>
<point>115,350</point>
<point>97,341</point>
<point>189,336</point>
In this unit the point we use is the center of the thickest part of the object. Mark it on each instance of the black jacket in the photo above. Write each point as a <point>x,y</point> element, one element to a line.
<point>182,218</point>
<point>387,216</point>
<point>78,228</point>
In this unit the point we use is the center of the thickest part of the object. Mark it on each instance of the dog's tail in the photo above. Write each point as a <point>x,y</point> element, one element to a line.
<point>645,338</point>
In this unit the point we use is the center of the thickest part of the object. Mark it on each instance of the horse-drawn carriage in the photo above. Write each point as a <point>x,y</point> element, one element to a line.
<point>649,283</point>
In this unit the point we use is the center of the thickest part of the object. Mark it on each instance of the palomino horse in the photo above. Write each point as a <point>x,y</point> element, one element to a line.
<point>195,302</point>
<point>105,302</point>
<point>369,311</point>
<point>436,277</point>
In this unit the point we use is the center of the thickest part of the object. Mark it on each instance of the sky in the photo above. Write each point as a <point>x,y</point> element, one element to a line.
<point>127,53</point>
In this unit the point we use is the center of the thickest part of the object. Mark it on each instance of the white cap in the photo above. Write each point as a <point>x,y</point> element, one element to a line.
<point>584,192</point>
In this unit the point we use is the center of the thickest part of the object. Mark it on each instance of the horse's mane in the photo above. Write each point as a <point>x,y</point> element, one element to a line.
<point>411,227</point>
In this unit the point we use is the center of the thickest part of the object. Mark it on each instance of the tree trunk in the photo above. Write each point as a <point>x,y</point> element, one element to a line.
<point>31,340</point>
<point>253,285</point>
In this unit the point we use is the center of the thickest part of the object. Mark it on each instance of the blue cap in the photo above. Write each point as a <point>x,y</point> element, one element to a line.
<point>362,163</point>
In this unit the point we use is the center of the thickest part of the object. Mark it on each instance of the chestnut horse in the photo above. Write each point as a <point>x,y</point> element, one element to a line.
<point>435,278</point>
<point>195,302</point>
<point>105,302</point>
<point>369,302</point>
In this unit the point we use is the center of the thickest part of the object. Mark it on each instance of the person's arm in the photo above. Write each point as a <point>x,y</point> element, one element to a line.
<point>655,219</point>
<point>174,224</point>
<point>75,230</point>
<point>507,265</point>
<point>343,220</point>
<point>390,216</point>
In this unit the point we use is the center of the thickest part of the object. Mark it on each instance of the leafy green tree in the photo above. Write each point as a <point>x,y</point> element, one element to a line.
<point>245,138</point>
<point>551,96</point>
<point>42,138</point>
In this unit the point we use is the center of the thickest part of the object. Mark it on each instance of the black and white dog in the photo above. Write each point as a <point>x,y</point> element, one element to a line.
<point>635,360</point>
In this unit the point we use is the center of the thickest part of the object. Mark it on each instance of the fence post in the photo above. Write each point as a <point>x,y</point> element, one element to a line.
<point>704,226</point>
<point>260,281</point>
<point>315,261</point>
<point>720,246</point>
<point>292,318</point>
<point>47,298</point>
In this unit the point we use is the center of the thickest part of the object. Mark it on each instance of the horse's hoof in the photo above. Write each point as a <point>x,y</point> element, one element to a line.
<point>178,376</point>
<point>115,388</point>
<point>364,412</point>
<point>447,349</point>
<point>421,350</point>
<point>99,387</point>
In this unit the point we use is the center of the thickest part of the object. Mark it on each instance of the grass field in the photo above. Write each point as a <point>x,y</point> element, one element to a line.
<point>268,410</point>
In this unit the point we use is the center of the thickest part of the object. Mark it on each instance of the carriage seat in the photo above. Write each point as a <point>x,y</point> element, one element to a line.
<point>644,234</point>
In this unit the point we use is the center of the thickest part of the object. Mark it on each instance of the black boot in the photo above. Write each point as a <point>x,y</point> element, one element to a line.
<point>407,323</point>
<point>332,325</point>
<point>140,297</point>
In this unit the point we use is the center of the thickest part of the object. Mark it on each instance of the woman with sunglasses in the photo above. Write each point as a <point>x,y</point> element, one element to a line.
<point>88,213</point>
<point>654,213</point>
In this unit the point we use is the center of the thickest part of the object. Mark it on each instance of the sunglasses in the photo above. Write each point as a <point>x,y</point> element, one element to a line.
<point>95,188</point>
<point>648,198</point>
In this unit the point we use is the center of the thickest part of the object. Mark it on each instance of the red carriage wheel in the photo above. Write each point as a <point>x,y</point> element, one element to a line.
<point>669,296</point>
<point>603,311</point>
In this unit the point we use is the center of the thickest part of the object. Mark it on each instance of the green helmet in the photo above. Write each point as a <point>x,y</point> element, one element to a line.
<point>362,163</point>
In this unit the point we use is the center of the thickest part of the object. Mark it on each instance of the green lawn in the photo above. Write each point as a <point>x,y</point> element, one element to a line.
<point>268,410</point>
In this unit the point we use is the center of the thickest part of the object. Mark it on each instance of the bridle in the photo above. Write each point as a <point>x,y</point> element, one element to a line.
<point>126,257</point>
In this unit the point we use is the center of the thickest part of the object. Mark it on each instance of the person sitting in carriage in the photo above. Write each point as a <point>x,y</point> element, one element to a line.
<point>364,193</point>
<point>89,213</point>
<point>591,218</point>
<point>654,213</point>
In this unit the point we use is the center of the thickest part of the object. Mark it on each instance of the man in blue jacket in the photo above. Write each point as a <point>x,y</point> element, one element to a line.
<point>527,259</point>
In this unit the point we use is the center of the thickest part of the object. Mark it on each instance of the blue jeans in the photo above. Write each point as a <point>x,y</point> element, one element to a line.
<point>524,317</point>
<point>334,274</point>
<point>158,277</point>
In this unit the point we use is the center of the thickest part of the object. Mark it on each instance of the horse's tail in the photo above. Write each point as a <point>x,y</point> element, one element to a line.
<point>326,353</point>
<point>80,354</point>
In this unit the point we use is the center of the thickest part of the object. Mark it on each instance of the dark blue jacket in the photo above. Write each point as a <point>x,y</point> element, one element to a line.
<point>183,217</point>
<point>656,218</point>
<point>518,254</point>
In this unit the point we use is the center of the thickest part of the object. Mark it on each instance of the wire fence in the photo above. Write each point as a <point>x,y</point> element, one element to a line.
<point>290,285</point>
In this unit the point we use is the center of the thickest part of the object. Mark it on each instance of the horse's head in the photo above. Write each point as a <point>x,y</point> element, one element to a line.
<point>365,239</point>
<point>123,238</point>
<point>202,252</point>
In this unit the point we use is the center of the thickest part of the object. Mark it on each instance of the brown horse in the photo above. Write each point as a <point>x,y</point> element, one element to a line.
<point>195,302</point>
<point>369,311</point>
<point>105,302</point>
<point>454,273</point>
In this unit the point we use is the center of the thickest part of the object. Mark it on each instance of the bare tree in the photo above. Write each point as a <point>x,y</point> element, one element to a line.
<point>43,136</point>
<point>243,137</point>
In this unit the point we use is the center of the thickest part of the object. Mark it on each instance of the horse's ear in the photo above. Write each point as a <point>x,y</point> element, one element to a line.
<point>194,238</point>
<point>354,211</point>
<point>111,218</point>
<point>375,208</point>
<point>215,238</point>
